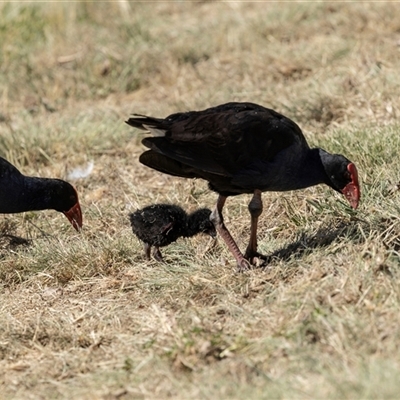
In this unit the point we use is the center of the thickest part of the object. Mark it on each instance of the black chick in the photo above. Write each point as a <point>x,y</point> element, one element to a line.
<point>159,225</point>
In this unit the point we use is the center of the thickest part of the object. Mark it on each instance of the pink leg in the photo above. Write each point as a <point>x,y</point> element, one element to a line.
<point>255,208</point>
<point>147,248</point>
<point>218,221</point>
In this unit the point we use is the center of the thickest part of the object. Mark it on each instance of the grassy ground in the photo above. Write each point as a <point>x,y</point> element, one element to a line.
<point>84,316</point>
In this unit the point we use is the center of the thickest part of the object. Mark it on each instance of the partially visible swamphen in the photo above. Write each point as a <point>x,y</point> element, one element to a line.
<point>242,148</point>
<point>19,193</point>
<point>159,225</point>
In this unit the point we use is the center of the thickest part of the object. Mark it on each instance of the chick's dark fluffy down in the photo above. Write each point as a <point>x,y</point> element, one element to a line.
<point>159,224</point>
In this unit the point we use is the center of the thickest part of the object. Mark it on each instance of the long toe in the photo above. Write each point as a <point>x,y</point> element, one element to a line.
<point>243,265</point>
<point>260,262</point>
<point>256,259</point>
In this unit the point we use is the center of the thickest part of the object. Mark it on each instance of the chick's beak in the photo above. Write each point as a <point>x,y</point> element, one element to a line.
<point>213,234</point>
<point>74,215</point>
<point>352,190</point>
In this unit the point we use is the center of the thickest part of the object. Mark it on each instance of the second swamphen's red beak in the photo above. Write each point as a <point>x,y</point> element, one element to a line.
<point>74,215</point>
<point>352,190</point>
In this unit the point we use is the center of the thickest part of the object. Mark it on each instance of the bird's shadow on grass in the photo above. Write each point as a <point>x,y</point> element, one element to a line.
<point>323,237</point>
<point>7,238</point>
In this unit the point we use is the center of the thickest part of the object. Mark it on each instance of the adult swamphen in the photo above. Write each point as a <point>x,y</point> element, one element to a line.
<point>159,225</point>
<point>19,193</point>
<point>242,148</point>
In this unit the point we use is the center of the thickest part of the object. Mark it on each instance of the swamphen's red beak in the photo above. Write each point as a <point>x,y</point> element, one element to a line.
<point>352,190</point>
<point>74,215</point>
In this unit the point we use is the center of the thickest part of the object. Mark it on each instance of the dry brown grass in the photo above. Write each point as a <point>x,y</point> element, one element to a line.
<point>83,316</point>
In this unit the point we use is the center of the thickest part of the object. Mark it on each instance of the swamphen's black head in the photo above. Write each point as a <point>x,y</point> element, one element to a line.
<point>342,176</point>
<point>63,197</point>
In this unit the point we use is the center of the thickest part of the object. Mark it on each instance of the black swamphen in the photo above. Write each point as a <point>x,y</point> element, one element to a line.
<point>242,148</point>
<point>19,193</point>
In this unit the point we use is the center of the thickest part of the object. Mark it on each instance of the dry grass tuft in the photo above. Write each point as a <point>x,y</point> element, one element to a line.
<point>84,316</point>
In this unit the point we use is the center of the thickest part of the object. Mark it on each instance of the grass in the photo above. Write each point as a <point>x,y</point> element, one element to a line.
<point>84,316</point>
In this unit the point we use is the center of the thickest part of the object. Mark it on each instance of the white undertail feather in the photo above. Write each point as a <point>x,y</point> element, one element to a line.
<point>154,131</point>
<point>151,129</point>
